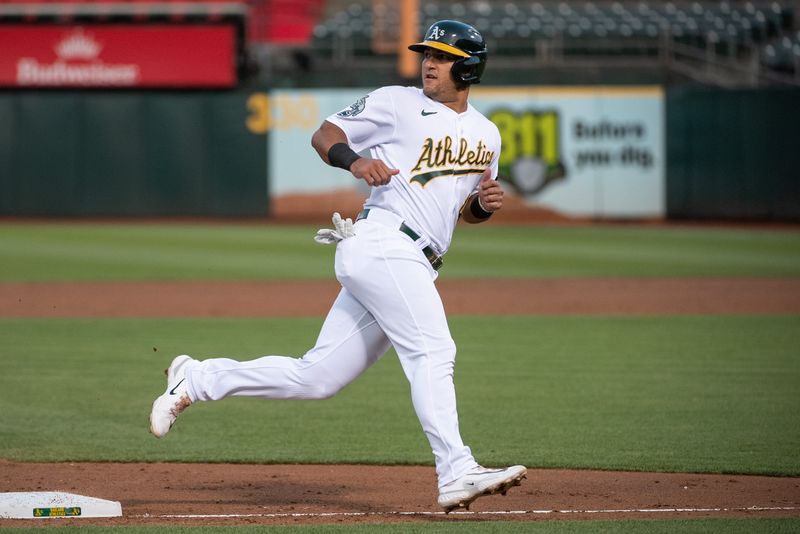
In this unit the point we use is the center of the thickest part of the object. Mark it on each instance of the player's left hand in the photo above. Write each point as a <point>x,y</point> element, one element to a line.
<point>490,192</point>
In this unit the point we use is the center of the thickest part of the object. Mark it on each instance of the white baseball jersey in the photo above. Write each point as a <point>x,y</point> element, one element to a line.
<point>441,155</point>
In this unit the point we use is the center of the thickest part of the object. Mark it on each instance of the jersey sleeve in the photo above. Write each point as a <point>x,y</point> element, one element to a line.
<point>368,122</point>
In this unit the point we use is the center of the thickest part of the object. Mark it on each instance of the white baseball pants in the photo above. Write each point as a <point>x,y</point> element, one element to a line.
<point>388,296</point>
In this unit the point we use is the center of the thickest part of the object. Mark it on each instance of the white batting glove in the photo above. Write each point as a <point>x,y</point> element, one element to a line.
<point>342,229</point>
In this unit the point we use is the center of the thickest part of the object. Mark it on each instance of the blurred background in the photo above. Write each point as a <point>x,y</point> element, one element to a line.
<point>640,110</point>
<point>535,42</point>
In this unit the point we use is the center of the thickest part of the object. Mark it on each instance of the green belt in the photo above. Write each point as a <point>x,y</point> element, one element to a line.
<point>434,259</point>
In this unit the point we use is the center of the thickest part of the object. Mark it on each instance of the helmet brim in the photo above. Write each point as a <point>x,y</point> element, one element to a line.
<point>444,47</point>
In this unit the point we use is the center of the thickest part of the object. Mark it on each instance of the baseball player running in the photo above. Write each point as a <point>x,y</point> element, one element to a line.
<point>433,160</point>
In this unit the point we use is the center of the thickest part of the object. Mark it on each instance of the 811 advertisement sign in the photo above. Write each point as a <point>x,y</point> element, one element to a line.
<point>582,151</point>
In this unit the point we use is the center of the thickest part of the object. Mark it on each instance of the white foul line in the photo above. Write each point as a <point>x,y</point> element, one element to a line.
<point>463,512</point>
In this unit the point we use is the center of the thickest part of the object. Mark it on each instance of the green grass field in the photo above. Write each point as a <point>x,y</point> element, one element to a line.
<point>610,393</point>
<point>31,252</point>
<point>662,393</point>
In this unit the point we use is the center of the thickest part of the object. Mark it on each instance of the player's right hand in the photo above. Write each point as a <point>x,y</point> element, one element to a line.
<point>372,171</point>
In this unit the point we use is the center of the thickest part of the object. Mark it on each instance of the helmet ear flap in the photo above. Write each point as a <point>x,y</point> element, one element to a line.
<point>467,70</point>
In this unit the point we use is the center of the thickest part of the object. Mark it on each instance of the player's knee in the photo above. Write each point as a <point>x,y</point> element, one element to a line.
<point>322,390</point>
<point>445,351</point>
<point>318,386</point>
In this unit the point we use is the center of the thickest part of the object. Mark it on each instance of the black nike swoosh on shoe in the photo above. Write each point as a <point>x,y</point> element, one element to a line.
<point>172,391</point>
<point>426,113</point>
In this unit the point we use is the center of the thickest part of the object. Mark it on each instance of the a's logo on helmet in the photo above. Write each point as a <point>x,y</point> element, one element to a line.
<point>435,33</point>
<point>355,108</point>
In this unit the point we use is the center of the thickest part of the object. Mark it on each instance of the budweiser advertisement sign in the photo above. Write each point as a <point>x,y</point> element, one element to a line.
<point>118,56</point>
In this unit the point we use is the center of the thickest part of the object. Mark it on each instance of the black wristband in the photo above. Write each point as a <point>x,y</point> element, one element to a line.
<point>477,210</point>
<point>342,156</point>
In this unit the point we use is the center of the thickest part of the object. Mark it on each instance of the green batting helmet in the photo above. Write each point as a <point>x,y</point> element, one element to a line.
<point>460,40</point>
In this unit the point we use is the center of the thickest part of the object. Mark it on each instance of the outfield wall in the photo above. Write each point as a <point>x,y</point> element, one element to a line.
<point>589,152</point>
<point>733,154</point>
<point>604,152</point>
<point>88,153</point>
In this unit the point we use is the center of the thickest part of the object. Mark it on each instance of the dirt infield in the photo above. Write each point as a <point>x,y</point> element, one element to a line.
<point>497,296</point>
<point>216,494</point>
<point>203,494</point>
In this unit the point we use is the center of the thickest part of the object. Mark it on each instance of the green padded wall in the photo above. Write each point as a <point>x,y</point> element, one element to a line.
<point>733,154</point>
<point>130,154</point>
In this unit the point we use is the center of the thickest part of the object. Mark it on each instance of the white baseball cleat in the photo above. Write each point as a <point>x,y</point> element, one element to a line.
<point>167,407</point>
<point>480,481</point>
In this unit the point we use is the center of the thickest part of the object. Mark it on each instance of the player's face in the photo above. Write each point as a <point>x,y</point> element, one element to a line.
<point>437,84</point>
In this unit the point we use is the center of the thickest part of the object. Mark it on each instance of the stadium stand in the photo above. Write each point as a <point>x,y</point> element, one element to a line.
<point>783,55</point>
<point>699,36</point>
<point>723,42</point>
